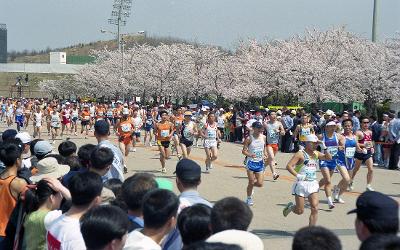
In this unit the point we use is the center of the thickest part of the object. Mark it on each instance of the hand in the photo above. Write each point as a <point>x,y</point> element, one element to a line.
<point>54,184</point>
<point>253,156</point>
<point>364,151</point>
<point>341,147</point>
<point>300,177</point>
<point>372,150</point>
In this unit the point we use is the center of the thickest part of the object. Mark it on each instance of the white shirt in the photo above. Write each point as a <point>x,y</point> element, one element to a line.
<point>63,232</point>
<point>138,241</point>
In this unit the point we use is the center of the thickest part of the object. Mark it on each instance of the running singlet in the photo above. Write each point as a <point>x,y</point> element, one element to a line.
<point>178,121</point>
<point>256,147</point>
<point>110,113</point>
<point>85,115</point>
<point>272,133</point>
<point>187,131</point>
<point>309,167</point>
<point>366,140</point>
<point>55,120</point>
<point>125,129</point>
<point>163,131</point>
<point>137,123</point>
<point>332,145</point>
<point>304,132</point>
<point>38,119</point>
<point>346,156</point>
<point>75,114</point>
<point>149,121</point>
<point>210,132</point>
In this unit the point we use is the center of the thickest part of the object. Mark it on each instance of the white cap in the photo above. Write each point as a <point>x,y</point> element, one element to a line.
<point>329,112</point>
<point>125,111</point>
<point>67,103</point>
<point>331,123</point>
<point>244,239</point>
<point>311,138</point>
<point>24,137</point>
<point>221,109</point>
<point>279,112</point>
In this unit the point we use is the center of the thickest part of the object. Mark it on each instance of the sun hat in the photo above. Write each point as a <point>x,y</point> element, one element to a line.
<point>49,167</point>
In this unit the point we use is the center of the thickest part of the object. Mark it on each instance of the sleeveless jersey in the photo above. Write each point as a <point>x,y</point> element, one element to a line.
<point>272,133</point>
<point>187,131</point>
<point>256,147</point>
<point>309,167</point>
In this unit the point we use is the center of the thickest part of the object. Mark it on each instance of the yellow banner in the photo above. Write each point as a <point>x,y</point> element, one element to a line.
<point>288,107</point>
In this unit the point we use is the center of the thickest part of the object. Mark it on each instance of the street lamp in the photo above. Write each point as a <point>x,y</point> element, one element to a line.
<point>374,20</point>
<point>121,11</point>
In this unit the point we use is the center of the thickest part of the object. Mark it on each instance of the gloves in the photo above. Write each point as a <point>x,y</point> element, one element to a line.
<point>300,177</point>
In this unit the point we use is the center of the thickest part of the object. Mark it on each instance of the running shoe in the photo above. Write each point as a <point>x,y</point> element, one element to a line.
<point>134,150</point>
<point>339,200</point>
<point>288,209</point>
<point>163,170</point>
<point>369,188</point>
<point>179,157</point>
<point>351,188</point>
<point>275,176</point>
<point>335,192</point>
<point>249,201</point>
<point>331,205</point>
<point>211,166</point>
<point>207,170</point>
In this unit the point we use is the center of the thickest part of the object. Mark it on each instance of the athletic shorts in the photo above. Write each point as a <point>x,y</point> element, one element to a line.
<point>148,129</point>
<point>331,165</point>
<point>274,147</point>
<point>125,139</point>
<point>186,142</point>
<point>74,119</point>
<point>84,123</point>
<point>305,188</point>
<point>348,163</point>
<point>136,134</point>
<point>164,144</point>
<point>255,166</point>
<point>210,143</point>
<point>363,157</point>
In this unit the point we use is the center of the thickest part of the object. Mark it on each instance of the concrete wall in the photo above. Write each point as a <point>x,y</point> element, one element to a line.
<point>40,68</point>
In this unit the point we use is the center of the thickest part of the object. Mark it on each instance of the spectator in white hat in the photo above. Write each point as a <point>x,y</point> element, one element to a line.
<point>26,140</point>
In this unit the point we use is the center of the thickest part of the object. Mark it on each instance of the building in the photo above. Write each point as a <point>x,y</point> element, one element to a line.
<point>3,43</point>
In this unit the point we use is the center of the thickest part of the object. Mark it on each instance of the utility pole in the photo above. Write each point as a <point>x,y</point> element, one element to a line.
<point>374,20</point>
<point>121,11</point>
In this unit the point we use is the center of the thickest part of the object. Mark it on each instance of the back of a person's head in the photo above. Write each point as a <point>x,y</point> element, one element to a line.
<point>381,226</point>
<point>101,158</point>
<point>84,153</point>
<point>381,242</point>
<point>102,225</point>
<point>211,246</point>
<point>32,145</point>
<point>230,213</point>
<point>316,238</point>
<point>67,148</point>
<point>84,188</point>
<point>10,152</point>
<point>159,206</point>
<point>36,197</point>
<point>135,188</point>
<point>115,185</point>
<point>194,223</point>
<point>73,162</point>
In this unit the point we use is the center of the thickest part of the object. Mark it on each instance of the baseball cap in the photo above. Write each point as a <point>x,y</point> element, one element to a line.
<point>311,138</point>
<point>125,111</point>
<point>101,127</point>
<point>188,113</point>
<point>329,112</point>
<point>331,123</point>
<point>42,148</point>
<point>256,124</point>
<point>293,112</point>
<point>49,167</point>
<point>24,137</point>
<point>187,169</point>
<point>8,134</point>
<point>377,206</point>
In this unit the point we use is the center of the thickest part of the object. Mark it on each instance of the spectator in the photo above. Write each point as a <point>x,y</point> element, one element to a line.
<point>73,163</point>
<point>47,196</point>
<point>376,214</point>
<point>159,214</point>
<point>376,129</point>
<point>356,121</point>
<point>67,149</point>
<point>287,122</point>
<point>42,149</point>
<point>194,224</point>
<point>101,161</point>
<point>102,132</point>
<point>230,213</point>
<point>11,186</point>
<point>34,159</point>
<point>115,185</point>
<point>26,140</point>
<point>104,227</point>
<point>316,238</point>
<point>63,230</point>
<point>133,191</point>
<point>84,154</point>
<point>394,131</point>
<point>381,242</point>
<point>213,246</point>
<point>8,134</point>
<point>244,239</point>
<point>188,178</point>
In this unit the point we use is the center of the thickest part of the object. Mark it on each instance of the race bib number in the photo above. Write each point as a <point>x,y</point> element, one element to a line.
<point>54,119</point>
<point>259,154</point>
<point>332,150</point>
<point>212,133</point>
<point>109,113</point>
<point>305,132</point>
<point>126,128</point>
<point>310,172</point>
<point>350,152</point>
<point>164,133</point>
<point>187,133</point>
<point>368,144</point>
<point>273,133</point>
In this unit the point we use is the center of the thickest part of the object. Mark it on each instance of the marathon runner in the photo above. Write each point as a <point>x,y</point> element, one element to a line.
<point>274,129</point>
<point>124,133</point>
<point>211,136</point>
<point>164,131</point>
<point>187,131</point>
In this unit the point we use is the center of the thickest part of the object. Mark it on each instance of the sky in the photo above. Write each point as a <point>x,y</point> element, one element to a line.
<point>37,24</point>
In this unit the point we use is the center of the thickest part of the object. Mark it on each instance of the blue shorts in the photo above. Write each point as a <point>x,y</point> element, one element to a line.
<point>347,162</point>
<point>331,165</point>
<point>255,166</point>
<point>148,129</point>
<point>136,134</point>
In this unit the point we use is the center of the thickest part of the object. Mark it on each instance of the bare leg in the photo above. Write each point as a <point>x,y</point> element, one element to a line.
<point>313,199</point>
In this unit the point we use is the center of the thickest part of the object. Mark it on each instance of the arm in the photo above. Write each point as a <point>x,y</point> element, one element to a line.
<point>58,187</point>
<point>342,142</point>
<point>245,150</point>
<point>281,129</point>
<point>296,159</point>
<point>17,186</point>
<point>296,132</point>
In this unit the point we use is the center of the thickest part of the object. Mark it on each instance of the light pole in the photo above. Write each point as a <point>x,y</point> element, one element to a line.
<point>121,11</point>
<point>374,20</point>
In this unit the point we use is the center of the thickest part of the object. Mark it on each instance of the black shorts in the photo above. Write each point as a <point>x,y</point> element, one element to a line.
<point>186,142</point>
<point>363,157</point>
<point>84,123</point>
<point>164,144</point>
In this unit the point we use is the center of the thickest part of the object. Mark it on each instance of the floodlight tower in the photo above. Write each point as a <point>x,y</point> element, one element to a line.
<point>121,11</point>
